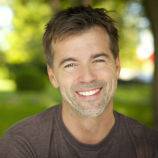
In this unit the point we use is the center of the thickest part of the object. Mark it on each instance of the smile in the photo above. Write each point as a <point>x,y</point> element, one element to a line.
<point>89,93</point>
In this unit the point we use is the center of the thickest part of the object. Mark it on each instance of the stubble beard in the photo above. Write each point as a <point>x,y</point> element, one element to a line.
<point>92,108</point>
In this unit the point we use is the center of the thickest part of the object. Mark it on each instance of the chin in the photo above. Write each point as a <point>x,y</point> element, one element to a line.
<point>90,111</point>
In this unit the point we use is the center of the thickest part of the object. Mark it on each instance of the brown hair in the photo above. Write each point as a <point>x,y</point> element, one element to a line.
<point>75,20</point>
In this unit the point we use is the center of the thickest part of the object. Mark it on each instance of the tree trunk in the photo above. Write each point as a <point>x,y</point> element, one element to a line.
<point>151,8</point>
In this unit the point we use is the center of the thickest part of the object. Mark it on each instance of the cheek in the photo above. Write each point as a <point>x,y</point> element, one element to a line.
<point>106,74</point>
<point>67,78</point>
<point>65,82</point>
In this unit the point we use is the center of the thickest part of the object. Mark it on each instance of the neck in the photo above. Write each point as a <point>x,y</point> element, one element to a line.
<point>88,130</point>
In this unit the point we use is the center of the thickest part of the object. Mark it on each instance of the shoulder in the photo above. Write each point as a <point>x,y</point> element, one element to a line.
<point>139,131</point>
<point>30,137</point>
<point>36,123</point>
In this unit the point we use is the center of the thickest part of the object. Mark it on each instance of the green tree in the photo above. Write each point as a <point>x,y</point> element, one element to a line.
<point>152,14</point>
<point>26,43</point>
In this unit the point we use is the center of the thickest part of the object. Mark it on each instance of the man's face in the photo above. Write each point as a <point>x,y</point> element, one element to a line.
<point>85,71</point>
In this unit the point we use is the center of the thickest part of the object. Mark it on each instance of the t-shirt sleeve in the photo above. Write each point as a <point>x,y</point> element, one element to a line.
<point>14,146</point>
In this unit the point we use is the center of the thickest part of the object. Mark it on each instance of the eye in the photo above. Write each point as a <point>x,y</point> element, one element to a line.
<point>99,61</point>
<point>71,65</point>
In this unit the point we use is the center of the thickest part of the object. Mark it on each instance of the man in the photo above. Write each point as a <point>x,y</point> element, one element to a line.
<point>81,46</point>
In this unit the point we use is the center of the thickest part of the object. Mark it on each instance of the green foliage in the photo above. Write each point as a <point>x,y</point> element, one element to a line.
<point>28,26</point>
<point>25,40</point>
<point>28,77</point>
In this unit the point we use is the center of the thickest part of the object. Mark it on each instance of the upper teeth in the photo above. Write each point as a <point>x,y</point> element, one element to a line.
<point>88,93</point>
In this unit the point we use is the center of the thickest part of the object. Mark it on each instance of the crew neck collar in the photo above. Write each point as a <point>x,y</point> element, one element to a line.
<point>69,138</point>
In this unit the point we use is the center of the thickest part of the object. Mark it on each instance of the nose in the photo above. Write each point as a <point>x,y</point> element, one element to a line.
<point>86,75</point>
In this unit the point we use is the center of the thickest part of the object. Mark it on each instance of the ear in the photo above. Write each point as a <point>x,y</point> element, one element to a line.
<point>118,66</point>
<point>52,77</point>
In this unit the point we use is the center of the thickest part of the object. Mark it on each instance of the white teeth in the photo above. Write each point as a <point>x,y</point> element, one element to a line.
<point>89,93</point>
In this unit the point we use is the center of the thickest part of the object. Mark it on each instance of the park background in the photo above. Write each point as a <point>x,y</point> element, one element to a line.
<point>24,86</point>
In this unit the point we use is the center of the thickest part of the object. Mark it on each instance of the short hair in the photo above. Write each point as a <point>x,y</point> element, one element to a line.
<point>75,20</point>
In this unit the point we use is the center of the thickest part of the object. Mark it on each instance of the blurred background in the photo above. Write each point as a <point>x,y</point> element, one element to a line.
<point>24,86</point>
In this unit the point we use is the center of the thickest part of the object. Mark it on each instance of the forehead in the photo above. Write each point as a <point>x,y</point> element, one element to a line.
<point>91,41</point>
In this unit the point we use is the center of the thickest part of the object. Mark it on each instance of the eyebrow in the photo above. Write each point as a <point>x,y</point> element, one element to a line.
<point>66,60</point>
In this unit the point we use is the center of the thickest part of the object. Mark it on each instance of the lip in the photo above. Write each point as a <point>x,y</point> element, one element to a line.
<point>89,94</point>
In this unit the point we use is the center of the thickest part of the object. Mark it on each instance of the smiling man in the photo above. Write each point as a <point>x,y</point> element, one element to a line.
<point>81,46</point>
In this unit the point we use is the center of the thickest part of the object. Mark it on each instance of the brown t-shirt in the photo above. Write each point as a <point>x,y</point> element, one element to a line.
<point>45,136</point>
